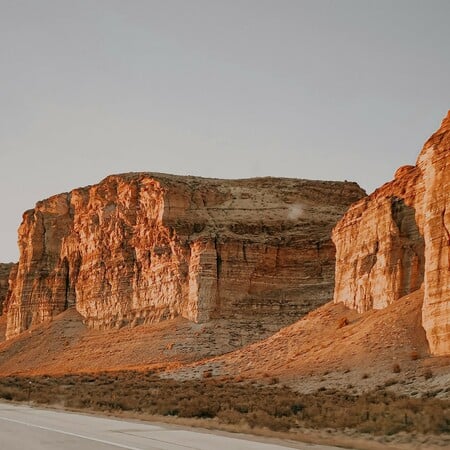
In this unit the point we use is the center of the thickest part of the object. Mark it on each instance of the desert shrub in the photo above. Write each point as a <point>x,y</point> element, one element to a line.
<point>230,416</point>
<point>262,419</point>
<point>43,397</point>
<point>128,404</point>
<point>242,407</point>
<point>197,407</point>
<point>297,407</point>
<point>13,393</point>
<point>259,405</point>
<point>78,402</point>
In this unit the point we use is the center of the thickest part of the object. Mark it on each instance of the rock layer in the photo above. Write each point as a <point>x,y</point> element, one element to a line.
<point>434,163</point>
<point>392,241</point>
<point>5,270</point>
<point>145,247</point>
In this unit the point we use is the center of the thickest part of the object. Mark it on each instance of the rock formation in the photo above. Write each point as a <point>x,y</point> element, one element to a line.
<point>392,241</point>
<point>145,247</point>
<point>5,270</point>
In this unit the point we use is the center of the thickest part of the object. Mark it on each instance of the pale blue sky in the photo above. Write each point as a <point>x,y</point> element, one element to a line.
<point>320,89</point>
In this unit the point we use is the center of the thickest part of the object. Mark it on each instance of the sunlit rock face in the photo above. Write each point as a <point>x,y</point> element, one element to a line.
<point>434,163</point>
<point>379,247</point>
<point>142,247</point>
<point>5,271</point>
<point>392,241</point>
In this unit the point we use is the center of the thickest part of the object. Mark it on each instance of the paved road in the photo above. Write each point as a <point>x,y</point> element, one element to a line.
<point>25,428</point>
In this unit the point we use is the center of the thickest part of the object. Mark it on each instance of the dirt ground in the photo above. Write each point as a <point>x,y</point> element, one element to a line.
<point>332,347</point>
<point>335,347</point>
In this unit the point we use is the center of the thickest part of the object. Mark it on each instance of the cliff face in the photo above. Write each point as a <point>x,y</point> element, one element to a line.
<point>145,247</point>
<point>379,247</point>
<point>434,163</point>
<point>5,270</point>
<point>391,242</point>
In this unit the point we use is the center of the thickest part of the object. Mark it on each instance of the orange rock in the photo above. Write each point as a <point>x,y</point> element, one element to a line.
<point>434,163</point>
<point>5,270</point>
<point>140,248</point>
<point>391,242</point>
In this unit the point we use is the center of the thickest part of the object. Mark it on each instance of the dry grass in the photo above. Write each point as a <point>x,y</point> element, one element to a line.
<point>251,405</point>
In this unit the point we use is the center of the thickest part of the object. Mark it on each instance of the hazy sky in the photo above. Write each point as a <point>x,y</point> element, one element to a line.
<point>343,89</point>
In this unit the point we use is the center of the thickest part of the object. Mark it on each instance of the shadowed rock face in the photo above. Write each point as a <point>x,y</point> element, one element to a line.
<point>145,247</point>
<point>5,270</point>
<point>392,241</point>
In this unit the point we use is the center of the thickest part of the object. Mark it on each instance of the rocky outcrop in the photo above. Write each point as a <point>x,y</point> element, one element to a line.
<point>145,247</point>
<point>434,163</point>
<point>379,248</point>
<point>5,270</point>
<point>392,241</point>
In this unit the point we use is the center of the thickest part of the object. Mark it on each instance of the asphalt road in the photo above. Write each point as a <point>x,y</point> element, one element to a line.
<point>26,428</point>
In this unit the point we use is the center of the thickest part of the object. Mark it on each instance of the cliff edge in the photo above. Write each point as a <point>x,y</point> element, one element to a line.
<point>5,275</point>
<point>398,238</point>
<point>144,247</point>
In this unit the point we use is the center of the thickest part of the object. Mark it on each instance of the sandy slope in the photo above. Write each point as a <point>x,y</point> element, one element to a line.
<point>67,345</point>
<point>318,351</point>
<point>331,347</point>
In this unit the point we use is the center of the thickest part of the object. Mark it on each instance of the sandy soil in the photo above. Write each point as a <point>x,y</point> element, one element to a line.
<point>332,347</point>
<point>335,347</point>
<point>66,345</point>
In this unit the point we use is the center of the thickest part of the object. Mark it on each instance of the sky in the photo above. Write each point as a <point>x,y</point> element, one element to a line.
<point>316,89</point>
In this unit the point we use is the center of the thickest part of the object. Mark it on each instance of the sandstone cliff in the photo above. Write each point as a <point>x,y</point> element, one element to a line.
<point>5,270</point>
<point>391,242</point>
<point>141,247</point>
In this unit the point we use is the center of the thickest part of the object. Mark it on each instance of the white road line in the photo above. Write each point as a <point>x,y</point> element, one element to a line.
<point>70,434</point>
<point>154,439</point>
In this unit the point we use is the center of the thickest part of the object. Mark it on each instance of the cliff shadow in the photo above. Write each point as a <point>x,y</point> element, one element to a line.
<point>411,248</point>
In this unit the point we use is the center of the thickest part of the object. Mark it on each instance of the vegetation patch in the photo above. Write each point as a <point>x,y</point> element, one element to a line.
<point>252,405</point>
